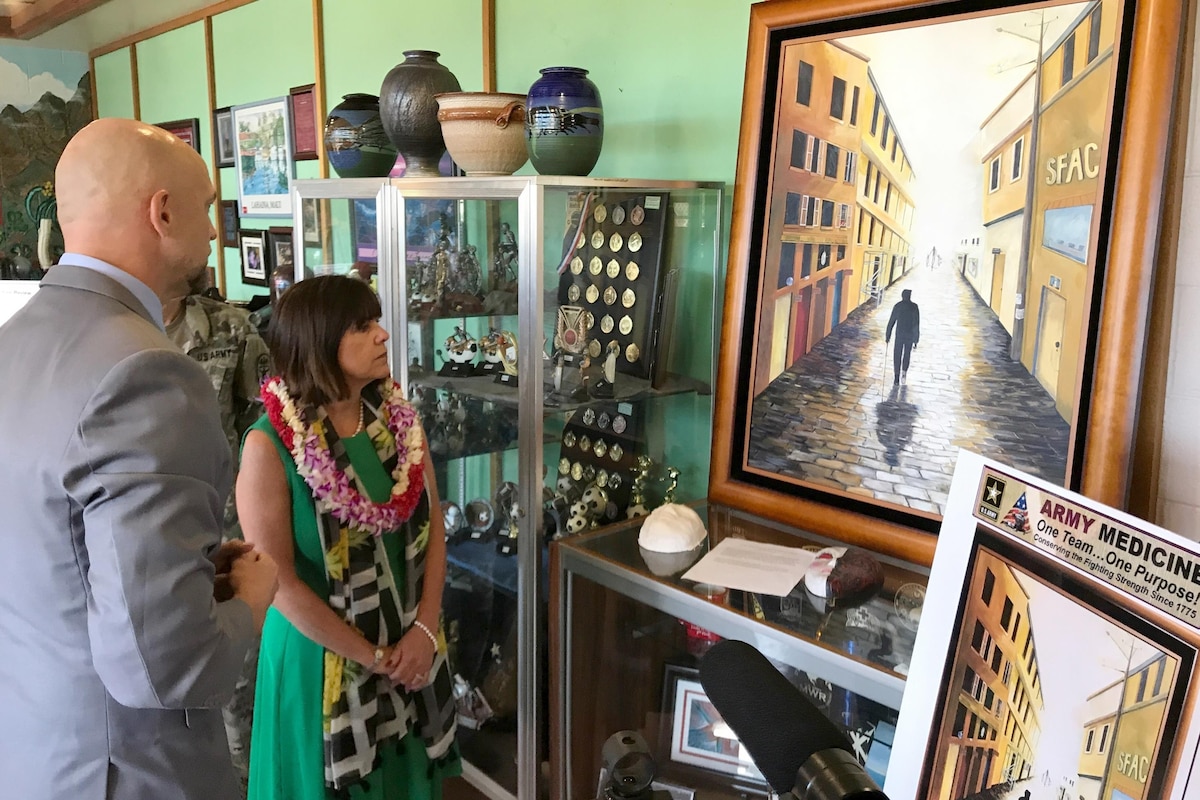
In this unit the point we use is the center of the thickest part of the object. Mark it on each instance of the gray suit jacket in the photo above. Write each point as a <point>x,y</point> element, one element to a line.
<point>114,658</point>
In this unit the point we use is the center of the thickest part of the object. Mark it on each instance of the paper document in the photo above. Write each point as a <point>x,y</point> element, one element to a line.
<point>752,567</point>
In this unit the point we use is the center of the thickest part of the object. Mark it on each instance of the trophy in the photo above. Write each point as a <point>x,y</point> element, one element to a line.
<point>461,348</point>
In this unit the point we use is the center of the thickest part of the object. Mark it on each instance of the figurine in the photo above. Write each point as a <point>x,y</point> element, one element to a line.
<point>672,485</point>
<point>461,349</point>
<point>605,388</point>
<point>505,273</point>
<point>637,495</point>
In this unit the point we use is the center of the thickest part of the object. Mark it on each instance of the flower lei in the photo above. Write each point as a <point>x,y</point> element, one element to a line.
<point>331,487</point>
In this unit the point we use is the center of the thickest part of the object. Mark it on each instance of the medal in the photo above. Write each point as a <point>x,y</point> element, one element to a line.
<point>589,416</point>
<point>635,242</point>
<point>615,452</point>
<point>632,270</point>
<point>626,326</point>
<point>597,240</point>
<point>628,298</point>
<point>589,320</point>
<point>573,293</point>
<point>610,296</point>
<point>602,476</point>
<point>600,449</point>
<point>614,480</point>
<point>595,266</point>
<point>593,294</point>
<point>618,215</point>
<point>569,439</point>
<point>637,215</point>
<point>633,353</point>
<point>570,333</point>
<point>584,443</point>
<point>564,466</point>
<point>601,213</point>
<point>606,323</point>
<point>594,348</point>
<point>577,471</point>
<point>615,242</point>
<point>604,418</point>
<point>577,265</point>
<point>619,424</point>
<point>614,268</point>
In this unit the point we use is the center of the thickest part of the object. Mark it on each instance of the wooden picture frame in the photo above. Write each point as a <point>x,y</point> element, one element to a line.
<point>186,129</point>
<point>306,125</point>
<point>230,223</point>
<point>256,257</point>
<point>226,150</point>
<point>811,428</point>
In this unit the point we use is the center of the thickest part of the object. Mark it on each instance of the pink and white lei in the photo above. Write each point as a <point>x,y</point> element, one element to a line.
<point>331,487</point>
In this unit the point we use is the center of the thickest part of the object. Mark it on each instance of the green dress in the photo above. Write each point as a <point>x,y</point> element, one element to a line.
<point>287,759</point>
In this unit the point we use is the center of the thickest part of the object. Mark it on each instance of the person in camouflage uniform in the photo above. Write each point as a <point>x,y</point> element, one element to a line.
<point>223,340</point>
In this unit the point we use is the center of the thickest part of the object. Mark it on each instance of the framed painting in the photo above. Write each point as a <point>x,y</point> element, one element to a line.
<point>1064,664</point>
<point>230,223</point>
<point>695,735</point>
<point>264,158</point>
<point>186,129</point>
<point>223,132</point>
<point>255,257</point>
<point>934,246</point>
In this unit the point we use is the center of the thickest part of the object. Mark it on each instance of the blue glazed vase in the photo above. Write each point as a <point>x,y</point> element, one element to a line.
<point>564,122</point>
<point>355,139</point>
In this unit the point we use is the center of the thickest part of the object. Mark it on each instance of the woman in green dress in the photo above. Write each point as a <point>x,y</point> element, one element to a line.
<point>354,696</point>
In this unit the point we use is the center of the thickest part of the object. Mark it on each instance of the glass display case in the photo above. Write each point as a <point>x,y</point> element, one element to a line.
<point>628,633</point>
<point>557,337</point>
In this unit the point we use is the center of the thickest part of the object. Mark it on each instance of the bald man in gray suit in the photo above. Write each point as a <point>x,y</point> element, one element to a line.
<point>124,621</point>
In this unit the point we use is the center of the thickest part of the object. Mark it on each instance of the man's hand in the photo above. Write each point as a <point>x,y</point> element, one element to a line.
<point>228,553</point>
<point>254,579</point>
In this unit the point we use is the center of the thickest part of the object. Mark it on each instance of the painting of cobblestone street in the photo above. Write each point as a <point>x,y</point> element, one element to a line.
<point>926,282</point>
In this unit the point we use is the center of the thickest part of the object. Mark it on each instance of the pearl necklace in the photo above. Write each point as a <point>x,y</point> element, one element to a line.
<point>361,422</point>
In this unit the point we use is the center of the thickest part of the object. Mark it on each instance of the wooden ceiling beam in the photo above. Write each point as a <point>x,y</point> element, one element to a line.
<point>44,15</point>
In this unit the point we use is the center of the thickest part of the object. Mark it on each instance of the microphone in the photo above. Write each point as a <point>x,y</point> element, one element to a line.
<point>795,747</point>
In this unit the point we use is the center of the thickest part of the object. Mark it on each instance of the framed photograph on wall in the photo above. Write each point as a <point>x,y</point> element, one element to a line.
<point>1056,669</point>
<point>280,241</point>
<point>306,127</point>
<point>255,257</point>
<point>223,131</point>
<point>264,158</point>
<point>186,129</point>
<point>230,223</point>
<point>915,269</point>
<point>366,232</point>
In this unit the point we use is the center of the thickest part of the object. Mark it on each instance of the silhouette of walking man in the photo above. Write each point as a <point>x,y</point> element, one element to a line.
<point>906,319</point>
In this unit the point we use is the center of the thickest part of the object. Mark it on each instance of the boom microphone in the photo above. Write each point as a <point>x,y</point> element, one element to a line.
<point>795,747</point>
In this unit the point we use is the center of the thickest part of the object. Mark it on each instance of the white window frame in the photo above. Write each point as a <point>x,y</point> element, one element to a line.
<point>851,168</point>
<point>843,215</point>
<point>815,156</point>
<point>804,201</point>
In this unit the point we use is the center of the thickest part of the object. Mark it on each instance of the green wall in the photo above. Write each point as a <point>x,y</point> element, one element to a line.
<point>669,71</point>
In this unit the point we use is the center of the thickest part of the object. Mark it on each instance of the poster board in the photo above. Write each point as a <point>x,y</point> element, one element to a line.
<point>13,295</point>
<point>1061,661</point>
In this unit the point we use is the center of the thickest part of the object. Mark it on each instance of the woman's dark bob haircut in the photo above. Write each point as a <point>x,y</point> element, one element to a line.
<point>307,326</point>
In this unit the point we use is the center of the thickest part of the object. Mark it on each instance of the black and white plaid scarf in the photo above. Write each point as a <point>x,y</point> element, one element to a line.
<point>363,710</point>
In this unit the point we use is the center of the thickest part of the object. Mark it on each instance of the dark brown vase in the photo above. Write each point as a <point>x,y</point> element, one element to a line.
<point>409,110</point>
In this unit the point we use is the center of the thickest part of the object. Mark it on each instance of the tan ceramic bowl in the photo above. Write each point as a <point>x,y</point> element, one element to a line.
<point>484,131</point>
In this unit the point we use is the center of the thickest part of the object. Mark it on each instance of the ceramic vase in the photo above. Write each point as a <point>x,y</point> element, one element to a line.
<point>409,110</point>
<point>484,131</point>
<point>564,122</point>
<point>355,140</point>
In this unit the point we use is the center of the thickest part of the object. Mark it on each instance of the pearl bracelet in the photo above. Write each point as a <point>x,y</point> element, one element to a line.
<point>425,630</point>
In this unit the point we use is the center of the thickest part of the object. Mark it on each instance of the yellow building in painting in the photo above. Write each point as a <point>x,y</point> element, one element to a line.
<point>1122,732</point>
<point>991,726</point>
<point>840,203</point>
<point>1071,101</point>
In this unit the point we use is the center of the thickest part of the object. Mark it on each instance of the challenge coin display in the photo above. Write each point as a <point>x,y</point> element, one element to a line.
<point>619,268</point>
